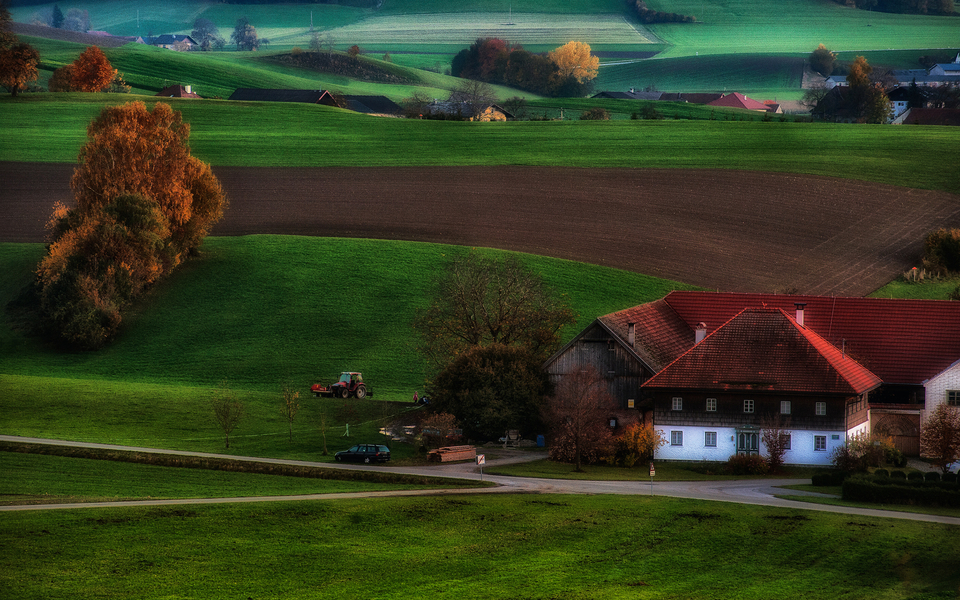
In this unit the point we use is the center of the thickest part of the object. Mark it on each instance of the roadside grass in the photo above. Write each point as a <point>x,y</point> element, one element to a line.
<point>931,289</point>
<point>665,471</point>
<point>41,479</point>
<point>287,134</point>
<point>474,546</point>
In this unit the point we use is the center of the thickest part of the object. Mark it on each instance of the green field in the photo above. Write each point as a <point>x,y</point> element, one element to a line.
<point>474,547</point>
<point>278,134</point>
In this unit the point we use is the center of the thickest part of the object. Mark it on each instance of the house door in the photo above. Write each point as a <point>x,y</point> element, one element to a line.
<point>748,442</point>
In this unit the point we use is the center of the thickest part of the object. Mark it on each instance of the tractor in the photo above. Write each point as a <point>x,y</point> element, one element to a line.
<point>350,384</point>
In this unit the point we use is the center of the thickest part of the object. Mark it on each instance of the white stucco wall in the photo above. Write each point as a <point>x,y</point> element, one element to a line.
<point>936,389</point>
<point>801,445</point>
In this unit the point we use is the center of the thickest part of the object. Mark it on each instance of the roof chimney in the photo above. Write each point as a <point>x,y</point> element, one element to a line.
<point>632,334</point>
<point>188,89</point>
<point>700,332</point>
<point>800,306</point>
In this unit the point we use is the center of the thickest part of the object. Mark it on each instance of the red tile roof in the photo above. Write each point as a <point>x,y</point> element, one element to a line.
<point>765,350</point>
<point>738,100</point>
<point>661,335</point>
<point>902,341</point>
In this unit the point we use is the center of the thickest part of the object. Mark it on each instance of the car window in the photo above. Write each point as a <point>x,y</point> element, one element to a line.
<point>383,449</point>
<point>354,449</point>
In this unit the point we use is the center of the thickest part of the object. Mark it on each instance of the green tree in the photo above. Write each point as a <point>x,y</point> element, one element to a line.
<point>206,34</point>
<point>940,436</point>
<point>245,35</point>
<point>57,19</point>
<point>491,389</point>
<point>290,406</point>
<point>595,114</point>
<point>482,301</point>
<point>822,60</point>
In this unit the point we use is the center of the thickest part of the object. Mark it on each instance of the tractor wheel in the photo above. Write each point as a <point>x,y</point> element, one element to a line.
<point>361,392</point>
<point>344,392</point>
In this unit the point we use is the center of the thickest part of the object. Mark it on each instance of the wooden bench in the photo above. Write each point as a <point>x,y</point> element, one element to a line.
<point>452,453</point>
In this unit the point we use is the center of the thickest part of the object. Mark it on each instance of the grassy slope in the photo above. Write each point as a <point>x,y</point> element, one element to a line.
<point>475,547</point>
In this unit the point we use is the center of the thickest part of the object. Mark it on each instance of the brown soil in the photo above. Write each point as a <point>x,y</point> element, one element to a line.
<point>726,230</point>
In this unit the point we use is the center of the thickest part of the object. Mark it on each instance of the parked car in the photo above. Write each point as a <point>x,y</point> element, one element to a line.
<point>365,453</point>
<point>954,467</point>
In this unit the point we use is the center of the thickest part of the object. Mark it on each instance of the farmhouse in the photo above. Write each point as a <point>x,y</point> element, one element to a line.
<point>174,41</point>
<point>178,91</point>
<point>738,100</point>
<point>274,95</point>
<point>868,365</point>
<point>467,111</point>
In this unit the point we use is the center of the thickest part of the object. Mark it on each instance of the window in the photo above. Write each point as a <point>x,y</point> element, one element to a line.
<point>784,407</point>
<point>748,406</point>
<point>710,439</point>
<point>787,442</point>
<point>678,404</point>
<point>953,397</point>
<point>711,405</point>
<point>821,409</point>
<point>820,443</point>
<point>676,438</point>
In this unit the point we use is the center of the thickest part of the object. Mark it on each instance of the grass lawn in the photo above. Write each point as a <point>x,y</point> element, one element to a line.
<point>931,289</point>
<point>40,479</point>
<point>476,547</point>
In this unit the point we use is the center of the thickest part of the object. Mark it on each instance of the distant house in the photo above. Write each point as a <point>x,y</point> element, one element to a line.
<point>946,69</point>
<point>178,91</point>
<point>273,95</point>
<point>466,111</point>
<point>174,42</point>
<point>692,98</point>
<point>910,346</point>
<point>738,100</point>
<point>370,105</point>
<point>933,116</point>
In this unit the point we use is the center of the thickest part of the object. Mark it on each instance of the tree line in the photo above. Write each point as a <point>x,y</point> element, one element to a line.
<point>648,16</point>
<point>567,71</point>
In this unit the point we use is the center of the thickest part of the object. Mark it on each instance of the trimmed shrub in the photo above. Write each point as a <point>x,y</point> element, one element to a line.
<point>898,475</point>
<point>915,476</point>
<point>829,478</point>
<point>949,478</point>
<point>931,476</point>
<point>747,464</point>
<point>888,491</point>
<point>894,457</point>
<point>881,473</point>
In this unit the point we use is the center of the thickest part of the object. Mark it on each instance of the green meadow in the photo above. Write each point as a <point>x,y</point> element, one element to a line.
<point>510,546</point>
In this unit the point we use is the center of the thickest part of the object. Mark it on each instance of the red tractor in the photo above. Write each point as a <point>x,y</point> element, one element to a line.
<point>350,384</point>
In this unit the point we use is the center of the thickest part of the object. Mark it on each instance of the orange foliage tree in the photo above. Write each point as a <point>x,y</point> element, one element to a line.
<point>62,80</point>
<point>92,71</point>
<point>143,203</point>
<point>18,66</point>
<point>574,59</point>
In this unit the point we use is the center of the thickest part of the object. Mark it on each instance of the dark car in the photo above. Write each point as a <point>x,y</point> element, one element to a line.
<point>365,453</point>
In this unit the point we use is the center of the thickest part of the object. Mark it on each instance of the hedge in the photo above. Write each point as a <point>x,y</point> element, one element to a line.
<point>885,490</point>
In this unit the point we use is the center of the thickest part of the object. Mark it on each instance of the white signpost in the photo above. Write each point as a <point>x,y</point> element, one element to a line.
<point>481,460</point>
<point>653,472</point>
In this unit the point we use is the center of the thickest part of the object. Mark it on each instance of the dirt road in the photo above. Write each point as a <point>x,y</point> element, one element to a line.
<point>727,230</point>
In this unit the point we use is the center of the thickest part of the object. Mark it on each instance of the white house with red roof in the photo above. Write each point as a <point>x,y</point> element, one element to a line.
<point>895,357</point>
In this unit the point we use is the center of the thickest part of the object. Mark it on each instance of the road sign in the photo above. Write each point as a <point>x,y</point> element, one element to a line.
<point>481,459</point>
<point>653,471</point>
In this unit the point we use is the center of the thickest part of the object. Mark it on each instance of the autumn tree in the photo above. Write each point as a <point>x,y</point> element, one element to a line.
<point>92,71</point>
<point>480,301</point>
<point>227,410</point>
<point>822,60</point>
<point>142,205</point>
<point>942,251</point>
<point>436,428</point>
<point>637,444</point>
<point>577,418</point>
<point>574,59</point>
<point>62,80</point>
<point>18,66</point>
<point>940,436</point>
<point>491,389</point>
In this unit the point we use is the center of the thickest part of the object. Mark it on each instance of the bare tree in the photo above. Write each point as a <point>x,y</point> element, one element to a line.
<point>227,410</point>
<point>577,418</point>
<point>290,407</point>
<point>776,438</point>
<point>324,425</point>
<point>472,97</point>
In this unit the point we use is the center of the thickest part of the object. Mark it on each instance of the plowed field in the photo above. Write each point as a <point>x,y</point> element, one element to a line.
<point>726,230</point>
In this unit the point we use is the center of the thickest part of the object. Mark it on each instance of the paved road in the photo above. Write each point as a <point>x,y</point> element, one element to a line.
<point>752,492</point>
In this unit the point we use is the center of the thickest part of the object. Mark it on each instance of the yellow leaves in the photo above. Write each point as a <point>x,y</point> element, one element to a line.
<point>573,58</point>
<point>92,71</point>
